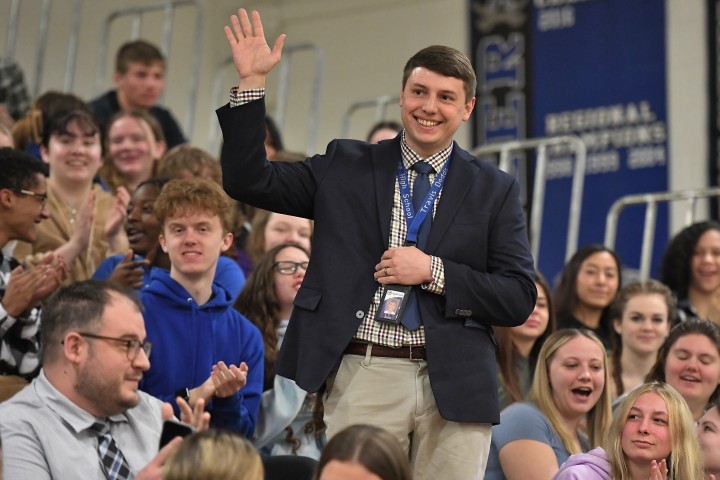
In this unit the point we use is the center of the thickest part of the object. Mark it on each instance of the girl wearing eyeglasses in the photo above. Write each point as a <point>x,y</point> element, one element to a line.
<point>285,423</point>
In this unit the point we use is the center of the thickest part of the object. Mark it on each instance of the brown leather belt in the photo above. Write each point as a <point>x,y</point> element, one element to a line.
<point>411,353</point>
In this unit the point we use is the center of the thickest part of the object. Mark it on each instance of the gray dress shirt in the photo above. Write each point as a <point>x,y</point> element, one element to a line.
<point>44,435</point>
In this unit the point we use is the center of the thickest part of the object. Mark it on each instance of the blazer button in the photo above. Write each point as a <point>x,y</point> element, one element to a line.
<point>359,314</point>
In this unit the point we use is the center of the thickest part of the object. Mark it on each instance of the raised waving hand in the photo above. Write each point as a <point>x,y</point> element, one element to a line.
<point>251,54</point>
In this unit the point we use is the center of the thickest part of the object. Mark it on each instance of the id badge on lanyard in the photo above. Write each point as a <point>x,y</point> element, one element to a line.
<point>395,298</point>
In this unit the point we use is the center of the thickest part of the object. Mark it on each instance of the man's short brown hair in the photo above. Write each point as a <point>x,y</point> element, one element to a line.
<point>137,51</point>
<point>193,195</point>
<point>446,61</point>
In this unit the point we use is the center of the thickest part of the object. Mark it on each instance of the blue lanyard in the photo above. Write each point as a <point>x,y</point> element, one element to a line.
<point>412,219</point>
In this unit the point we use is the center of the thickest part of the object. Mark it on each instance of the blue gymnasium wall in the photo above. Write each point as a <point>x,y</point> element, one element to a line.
<point>595,68</point>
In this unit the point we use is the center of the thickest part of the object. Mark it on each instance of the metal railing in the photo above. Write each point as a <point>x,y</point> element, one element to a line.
<point>43,20</point>
<point>378,103</point>
<point>652,200</point>
<point>219,95</point>
<point>538,199</point>
<point>168,7</point>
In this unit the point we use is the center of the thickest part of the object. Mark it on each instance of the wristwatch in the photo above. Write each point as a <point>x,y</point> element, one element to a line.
<point>183,393</point>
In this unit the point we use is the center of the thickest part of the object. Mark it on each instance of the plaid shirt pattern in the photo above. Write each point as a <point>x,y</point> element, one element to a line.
<point>397,335</point>
<point>380,332</point>
<point>240,97</point>
<point>19,337</point>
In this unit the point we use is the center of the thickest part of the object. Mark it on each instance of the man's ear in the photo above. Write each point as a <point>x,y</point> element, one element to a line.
<point>74,347</point>
<point>7,198</point>
<point>468,109</point>
<point>227,242</point>
<point>163,243</point>
<point>117,77</point>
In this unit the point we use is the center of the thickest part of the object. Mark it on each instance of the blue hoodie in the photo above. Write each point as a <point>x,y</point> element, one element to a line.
<point>228,272</point>
<point>188,339</point>
<point>593,465</point>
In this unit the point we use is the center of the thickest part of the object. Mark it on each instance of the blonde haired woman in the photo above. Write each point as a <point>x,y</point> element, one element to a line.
<point>569,389</point>
<point>651,438</point>
<point>216,454</point>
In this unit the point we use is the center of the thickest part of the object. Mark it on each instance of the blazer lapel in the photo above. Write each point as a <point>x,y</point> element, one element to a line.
<point>385,158</point>
<point>461,177</point>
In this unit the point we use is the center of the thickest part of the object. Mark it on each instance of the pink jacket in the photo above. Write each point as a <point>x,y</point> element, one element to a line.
<point>593,465</point>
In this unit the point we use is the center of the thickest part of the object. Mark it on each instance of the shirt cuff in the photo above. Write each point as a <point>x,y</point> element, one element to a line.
<point>238,97</point>
<point>6,321</point>
<point>437,270</point>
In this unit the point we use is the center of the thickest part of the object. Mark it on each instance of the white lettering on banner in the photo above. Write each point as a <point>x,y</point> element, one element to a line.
<point>605,129</point>
<point>599,117</point>
<point>562,167</point>
<point>603,162</point>
<point>646,157</point>
<point>559,167</point>
<point>555,18</point>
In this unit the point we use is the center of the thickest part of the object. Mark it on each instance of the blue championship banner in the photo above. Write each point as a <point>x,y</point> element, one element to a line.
<point>596,69</point>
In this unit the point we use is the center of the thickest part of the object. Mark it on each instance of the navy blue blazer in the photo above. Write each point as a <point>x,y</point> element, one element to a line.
<point>478,231</point>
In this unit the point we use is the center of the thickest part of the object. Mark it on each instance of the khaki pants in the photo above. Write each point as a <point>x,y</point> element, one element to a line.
<point>395,394</point>
<point>10,385</point>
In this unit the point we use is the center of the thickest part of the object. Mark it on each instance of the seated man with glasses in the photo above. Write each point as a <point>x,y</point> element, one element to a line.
<point>203,349</point>
<point>83,416</point>
<point>23,195</point>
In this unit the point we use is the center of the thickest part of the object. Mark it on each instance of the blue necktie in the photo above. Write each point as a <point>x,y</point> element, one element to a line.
<point>411,319</point>
<point>113,462</point>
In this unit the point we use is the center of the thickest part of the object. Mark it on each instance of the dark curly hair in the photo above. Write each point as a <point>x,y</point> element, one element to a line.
<point>676,263</point>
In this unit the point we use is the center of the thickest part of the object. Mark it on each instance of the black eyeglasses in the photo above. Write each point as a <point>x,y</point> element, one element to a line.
<point>288,268</point>
<point>43,197</point>
<point>133,346</point>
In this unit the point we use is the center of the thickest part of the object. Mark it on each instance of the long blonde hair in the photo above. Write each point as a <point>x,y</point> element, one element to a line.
<point>685,449</point>
<point>599,416</point>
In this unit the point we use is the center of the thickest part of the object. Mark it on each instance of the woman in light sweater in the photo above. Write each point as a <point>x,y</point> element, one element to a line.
<point>286,424</point>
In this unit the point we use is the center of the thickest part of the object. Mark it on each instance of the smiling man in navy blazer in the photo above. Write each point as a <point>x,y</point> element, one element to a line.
<point>428,376</point>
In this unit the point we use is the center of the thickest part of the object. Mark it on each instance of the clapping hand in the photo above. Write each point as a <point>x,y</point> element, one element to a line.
<point>228,380</point>
<point>658,470</point>
<point>28,287</point>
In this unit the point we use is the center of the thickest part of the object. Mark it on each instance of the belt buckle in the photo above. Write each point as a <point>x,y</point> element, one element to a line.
<point>411,353</point>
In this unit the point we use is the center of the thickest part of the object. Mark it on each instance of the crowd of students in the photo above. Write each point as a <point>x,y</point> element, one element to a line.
<point>660,375</point>
<point>217,280</point>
